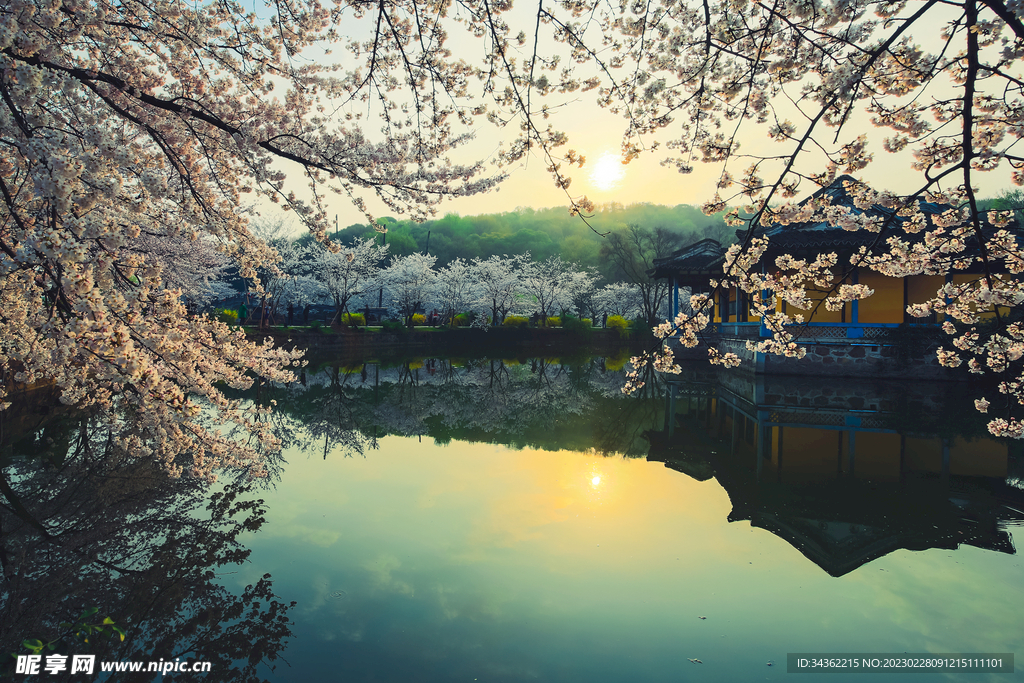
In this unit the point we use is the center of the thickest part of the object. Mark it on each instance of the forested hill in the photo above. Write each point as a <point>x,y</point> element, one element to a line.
<point>542,232</point>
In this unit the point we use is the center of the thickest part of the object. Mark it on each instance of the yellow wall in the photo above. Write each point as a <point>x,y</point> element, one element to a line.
<point>921,288</point>
<point>886,304</point>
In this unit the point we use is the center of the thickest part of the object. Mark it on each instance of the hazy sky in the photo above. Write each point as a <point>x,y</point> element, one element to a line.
<point>596,133</point>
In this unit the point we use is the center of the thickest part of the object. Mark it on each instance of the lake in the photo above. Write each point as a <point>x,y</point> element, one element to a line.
<point>522,520</point>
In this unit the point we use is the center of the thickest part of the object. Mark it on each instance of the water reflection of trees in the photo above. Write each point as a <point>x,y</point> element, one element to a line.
<point>536,402</point>
<point>85,524</point>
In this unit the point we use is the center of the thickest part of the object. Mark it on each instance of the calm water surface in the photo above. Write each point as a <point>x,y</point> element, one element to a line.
<point>503,558</point>
<point>521,520</point>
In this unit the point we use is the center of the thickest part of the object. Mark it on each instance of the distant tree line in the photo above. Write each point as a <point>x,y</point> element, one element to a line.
<point>542,232</point>
<point>493,264</point>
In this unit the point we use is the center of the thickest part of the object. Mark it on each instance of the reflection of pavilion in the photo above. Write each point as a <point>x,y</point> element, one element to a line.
<point>841,485</point>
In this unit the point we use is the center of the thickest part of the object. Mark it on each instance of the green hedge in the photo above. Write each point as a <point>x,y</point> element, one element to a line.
<point>353,319</point>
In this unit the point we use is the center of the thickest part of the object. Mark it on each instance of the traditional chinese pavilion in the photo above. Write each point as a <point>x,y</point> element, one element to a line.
<point>855,335</point>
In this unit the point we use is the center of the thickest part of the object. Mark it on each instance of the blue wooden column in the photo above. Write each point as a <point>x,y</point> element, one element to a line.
<point>855,331</point>
<point>675,297</point>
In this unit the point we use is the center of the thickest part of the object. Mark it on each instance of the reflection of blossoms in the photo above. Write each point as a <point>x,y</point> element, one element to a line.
<point>490,396</point>
<point>133,531</point>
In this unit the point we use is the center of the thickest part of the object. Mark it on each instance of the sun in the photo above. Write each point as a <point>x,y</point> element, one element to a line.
<point>608,172</point>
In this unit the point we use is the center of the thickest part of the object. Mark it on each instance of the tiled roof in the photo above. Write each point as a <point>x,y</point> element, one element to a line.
<point>799,238</point>
<point>699,257</point>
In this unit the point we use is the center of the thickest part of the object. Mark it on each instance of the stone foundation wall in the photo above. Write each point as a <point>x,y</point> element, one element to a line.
<point>859,360</point>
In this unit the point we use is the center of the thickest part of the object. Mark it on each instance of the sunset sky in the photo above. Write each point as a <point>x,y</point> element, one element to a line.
<point>596,133</point>
<point>593,132</point>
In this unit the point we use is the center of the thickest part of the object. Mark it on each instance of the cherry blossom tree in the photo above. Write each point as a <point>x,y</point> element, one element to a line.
<point>281,279</point>
<point>129,127</point>
<point>498,284</point>
<point>194,267</point>
<point>932,88</point>
<point>551,285</point>
<point>583,287</point>
<point>347,273</point>
<point>409,282</point>
<point>454,288</point>
<point>128,119</point>
<point>619,298</point>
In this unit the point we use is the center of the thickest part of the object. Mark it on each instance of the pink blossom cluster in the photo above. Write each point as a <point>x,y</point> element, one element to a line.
<point>838,85</point>
<point>130,133</point>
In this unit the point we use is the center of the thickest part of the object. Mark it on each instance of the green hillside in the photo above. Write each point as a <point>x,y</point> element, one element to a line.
<point>542,232</point>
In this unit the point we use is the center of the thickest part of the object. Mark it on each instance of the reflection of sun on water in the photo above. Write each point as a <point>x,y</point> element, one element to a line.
<point>608,171</point>
<point>595,482</point>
